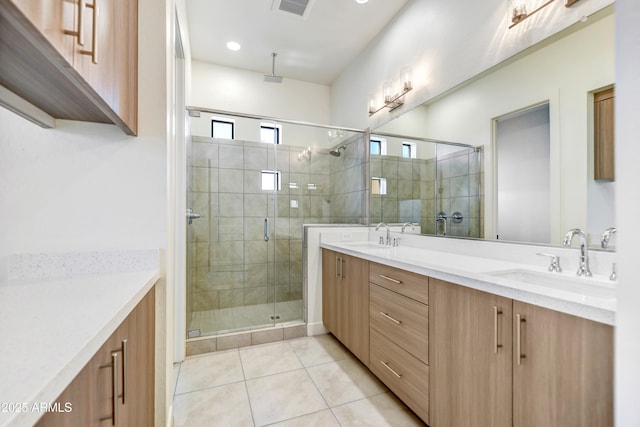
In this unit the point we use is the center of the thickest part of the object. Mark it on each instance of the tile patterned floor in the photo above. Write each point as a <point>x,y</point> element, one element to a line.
<point>311,381</point>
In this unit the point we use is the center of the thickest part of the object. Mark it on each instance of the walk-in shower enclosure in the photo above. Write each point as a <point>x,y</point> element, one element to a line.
<point>254,183</point>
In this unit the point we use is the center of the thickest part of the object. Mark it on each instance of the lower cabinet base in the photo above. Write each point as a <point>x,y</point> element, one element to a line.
<point>405,375</point>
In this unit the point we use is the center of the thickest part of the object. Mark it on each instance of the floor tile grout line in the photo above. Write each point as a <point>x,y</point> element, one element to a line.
<point>246,387</point>
<point>208,388</point>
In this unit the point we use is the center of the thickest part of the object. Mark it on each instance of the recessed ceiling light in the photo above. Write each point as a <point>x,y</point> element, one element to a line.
<point>362,1</point>
<point>233,46</point>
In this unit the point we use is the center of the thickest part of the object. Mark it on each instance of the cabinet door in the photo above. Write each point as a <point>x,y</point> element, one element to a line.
<point>603,110</point>
<point>470,357</point>
<point>138,405</point>
<point>330,271</point>
<point>108,61</point>
<point>101,395</point>
<point>563,374</point>
<point>354,309</point>
<point>54,19</point>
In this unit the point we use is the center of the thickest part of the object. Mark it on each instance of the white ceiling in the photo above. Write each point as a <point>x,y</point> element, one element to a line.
<point>314,49</point>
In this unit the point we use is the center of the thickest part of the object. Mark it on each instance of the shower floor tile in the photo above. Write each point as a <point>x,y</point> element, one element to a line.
<point>296,392</point>
<point>244,318</point>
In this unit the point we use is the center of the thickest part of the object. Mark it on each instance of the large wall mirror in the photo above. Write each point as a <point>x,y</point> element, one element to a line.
<point>546,92</point>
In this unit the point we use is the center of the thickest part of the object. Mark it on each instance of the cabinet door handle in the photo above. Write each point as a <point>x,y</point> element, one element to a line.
<point>124,370</point>
<point>496,312</point>
<point>519,355</point>
<point>386,365</point>
<point>114,386</point>
<point>399,282</point>
<point>80,33</point>
<point>94,33</point>
<point>342,268</point>
<point>397,322</point>
<point>338,267</point>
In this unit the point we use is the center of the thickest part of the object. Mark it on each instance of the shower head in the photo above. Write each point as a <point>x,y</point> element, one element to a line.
<point>273,78</point>
<point>336,151</point>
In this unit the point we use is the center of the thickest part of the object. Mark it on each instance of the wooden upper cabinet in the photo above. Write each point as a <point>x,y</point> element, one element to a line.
<point>604,141</point>
<point>50,17</point>
<point>92,77</point>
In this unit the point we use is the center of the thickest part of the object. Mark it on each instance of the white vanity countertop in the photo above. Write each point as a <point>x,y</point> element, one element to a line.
<point>50,328</point>
<point>591,298</point>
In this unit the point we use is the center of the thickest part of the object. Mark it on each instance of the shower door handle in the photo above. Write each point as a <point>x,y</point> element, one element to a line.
<point>191,215</point>
<point>266,229</point>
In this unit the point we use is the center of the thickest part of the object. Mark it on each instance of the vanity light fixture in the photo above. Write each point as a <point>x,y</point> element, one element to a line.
<point>518,10</point>
<point>392,100</point>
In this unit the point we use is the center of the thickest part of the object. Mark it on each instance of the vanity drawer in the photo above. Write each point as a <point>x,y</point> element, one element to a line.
<point>403,320</point>
<point>405,375</point>
<point>403,282</point>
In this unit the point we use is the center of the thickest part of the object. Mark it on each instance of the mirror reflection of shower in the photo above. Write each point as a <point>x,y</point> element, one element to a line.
<point>336,151</point>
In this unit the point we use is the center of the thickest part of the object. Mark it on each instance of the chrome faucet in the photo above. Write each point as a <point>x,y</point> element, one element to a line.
<point>583,268</point>
<point>405,225</point>
<point>388,241</point>
<point>604,240</point>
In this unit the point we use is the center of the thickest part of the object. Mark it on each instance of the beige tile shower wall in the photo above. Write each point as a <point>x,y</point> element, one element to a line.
<point>410,191</point>
<point>419,189</point>
<point>232,264</point>
<point>348,187</point>
<point>460,188</point>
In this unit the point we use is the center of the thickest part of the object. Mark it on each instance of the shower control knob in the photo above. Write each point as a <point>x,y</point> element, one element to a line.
<point>191,215</point>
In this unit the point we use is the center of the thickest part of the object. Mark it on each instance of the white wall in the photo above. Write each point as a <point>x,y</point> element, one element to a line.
<point>627,363</point>
<point>87,186</point>
<point>232,89</point>
<point>441,57</point>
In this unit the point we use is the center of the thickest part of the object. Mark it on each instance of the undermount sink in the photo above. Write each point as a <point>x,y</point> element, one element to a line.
<point>591,287</point>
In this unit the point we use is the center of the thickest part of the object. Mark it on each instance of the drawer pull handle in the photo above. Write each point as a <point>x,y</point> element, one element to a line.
<point>391,279</point>
<point>78,34</point>
<point>124,369</point>
<point>94,33</point>
<point>397,322</point>
<point>386,365</point>
<point>519,355</point>
<point>496,312</point>
<point>114,386</point>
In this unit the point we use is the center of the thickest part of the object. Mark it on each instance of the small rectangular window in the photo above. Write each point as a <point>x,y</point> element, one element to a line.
<point>378,185</point>
<point>378,146</point>
<point>406,150</point>
<point>375,147</point>
<point>269,133</point>
<point>222,129</point>
<point>409,150</point>
<point>271,180</point>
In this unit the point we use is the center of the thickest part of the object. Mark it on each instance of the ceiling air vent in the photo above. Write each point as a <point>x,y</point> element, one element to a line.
<point>297,7</point>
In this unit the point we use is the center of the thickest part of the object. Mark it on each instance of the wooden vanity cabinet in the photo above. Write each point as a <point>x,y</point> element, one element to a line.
<point>90,394</point>
<point>345,301</point>
<point>499,362</point>
<point>45,64</point>
<point>564,374</point>
<point>399,334</point>
<point>470,357</point>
